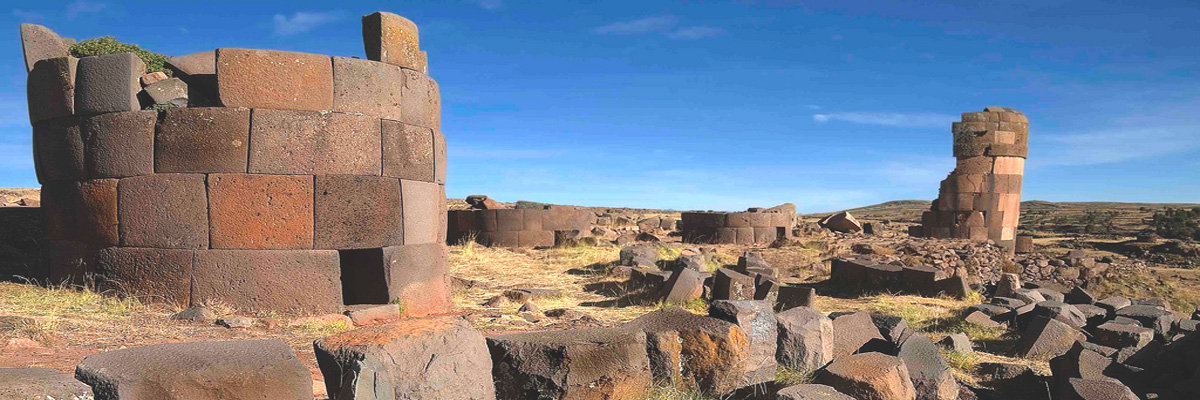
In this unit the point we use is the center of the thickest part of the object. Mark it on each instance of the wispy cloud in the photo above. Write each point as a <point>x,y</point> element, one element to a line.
<point>301,22</point>
<point>900,120</point>
<point>695,32</point>
<point>488,4</point>
<point>83,7</point>
<point>26,16</point>
<point>510,154</point>
<point>1118,145</point>
<point>666,25</point>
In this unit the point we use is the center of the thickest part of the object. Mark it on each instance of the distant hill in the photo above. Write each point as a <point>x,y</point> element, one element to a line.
<point>910,210</point>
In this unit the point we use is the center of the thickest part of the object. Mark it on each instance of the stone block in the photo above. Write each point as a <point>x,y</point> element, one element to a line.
<point>499,238</point>
<point>872,375</point>
<point>421,213</point>
<point>97,212</point>
<point>119,144</point>
<point>40,43</point>
<point>260,211</point>
<point>244,369</point>
<point>311,142</point>
<point>810,391</point>
<point>805,339</point>
<point>852,332</point>
<point>151,78</point>
<point>974,165</point>
<point>564,364</point>
<point>539,238</point>
<point>421,101</point>
<point>158,275</point>
<point>694,351</point>
<point>757,320</point>
<point>1024,244</point>
<point>392,39</point>
<point>685,285</point>
<point>380,362</point>
<point>408,152</point>
<point>274,79</point>
<point>1009,166</point>
<point>765,234</point>
<point>1046,337</point>
<point>357,212</point>
<point>794,296</point>
<point>60,201</point>
<point>439,157</point>
<point>199,72</point>
<point>40,384</point>
<point>732,285</point>
<point>108,83</point>
<point>170,92</point>
<point>1006,183</point>
<point>367,87</point>
<point>931,376</point>
<point>280,280</point>
<point>50,88</point>
<point>58,150</point>
<point>202,140</point>
<point>67,261</point>
<point>418,275</point>
<point>163,211</point>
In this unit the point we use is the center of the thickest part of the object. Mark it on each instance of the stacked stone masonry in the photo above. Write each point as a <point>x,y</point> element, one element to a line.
<point>981,198</point>
<point>748,227</point>
<point>516,227</point>
<point>291,180</point>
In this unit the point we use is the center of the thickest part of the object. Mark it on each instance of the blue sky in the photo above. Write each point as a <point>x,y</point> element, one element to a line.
<point>727,105</point>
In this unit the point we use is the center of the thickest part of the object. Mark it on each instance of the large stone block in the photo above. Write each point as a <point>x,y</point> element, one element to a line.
<point>311,142</point>
<point>810,391</point>
<point>58,150</point>
<point>869,376</point>
<point>422,217</point>
<point>120,144</point>
<point>408,152</point>
<point>931,376</point>
<point>439,157</point>
<point>108,83</point>
<point>852,332</point>
<point>422,102</point>
<point>260,211</point>
<point>66,261</point>
<point>367,87</point>
<point>40,43</point>
<point>247,369</point>
<point>1046,337</point>
<point>392,39</point>
<point>805,339</point>
<point>603,363</point>
<point>757,320</point>
<point>199,72</point>
<point>380,362</point>
<point>163,210</point>
<point>202,140</point>
<point>60,200</point>
<point>50,88</point>
<point>97,212</point>
<point>40,384</point>
<point>158,275</point>
<point>281,280</point>
<point>274,79</point>
<point>357,212</point>
<point>418,275</point>
<point>694,351</point>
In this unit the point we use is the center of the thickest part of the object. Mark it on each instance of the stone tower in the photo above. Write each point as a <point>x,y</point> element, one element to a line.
<point>280,180</point>
<point>981,198</point>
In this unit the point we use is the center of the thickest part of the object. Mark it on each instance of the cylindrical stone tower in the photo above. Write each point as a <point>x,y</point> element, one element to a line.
<point>981,198</point>
<point>291,181</point>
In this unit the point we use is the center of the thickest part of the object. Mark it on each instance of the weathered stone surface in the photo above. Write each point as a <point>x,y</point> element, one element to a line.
<point>639,255</point>
<point>171,92</point>
<point>199,72</point>
<point>418,275</point>
<point>757,320</point>
<point>1009,284</point>
<point>368,87</point>
<point>202,140</point>
<point>810,392</point>
<point>1046,337</point>
<point>163,210</point>
<point>40,384</point>
<point>151,78</point>
<point>439,157</point>
<point>1078,295</point>
<point>120,144</point>
<point>274,79</point>
<point>607,363</point>
<point>250,369</point>
<point>372,314</point>
<point>931,376</point>
<point>731,285</point>
<point>893,328</point>
<point>1149,316</point>
<point>794,296</point>
<point>310,142</point>
<point>448,358</point>
<point>1119,335</point>
<point>298,280</point>
<point>58,150</point>
<point>195,314</point>
<point>981,319</point>
<point>393,39</point>
<point>694,351</point>
<point>408,151</point>
<point>108,83</point>
<point>841,222</point>
<point>958,342</point>
<point>422,104</point>
<point>157,275</point>
<point>357,212</point>
<point>40,43</point>
<point>423,212</point>
<point>260,211</point>
<point>869,376</point>
<point>805,339</point>
<point>1066,313</point>
<point>50,88</point>
<point>97,219</point>
<point>1093,389</point>
<point>851,332</point>
<point>685,285</point>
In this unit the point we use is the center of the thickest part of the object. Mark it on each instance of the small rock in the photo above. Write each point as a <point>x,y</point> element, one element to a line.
<point>153,77</point>
<point>236,322</point>
<point>958,343</point>
<point>529,307</point>
<point>372,314</point>
<point>195,314</point>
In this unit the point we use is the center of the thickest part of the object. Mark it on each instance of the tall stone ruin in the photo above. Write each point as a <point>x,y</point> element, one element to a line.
<point>289,181</point>
<point>981,198</point>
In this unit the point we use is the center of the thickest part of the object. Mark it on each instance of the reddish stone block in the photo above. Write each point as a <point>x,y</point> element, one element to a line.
<point>421,212</point>
<point>499,238</point>
<point>311,142</point>
<point>745,235</point>
<point>97,218</point>
<point>1007,183</point>
<point>157,275</point>
<point>50,88</point>
<point>163,211</point>
<point>295,280</point>
<point>199,72</point>
<point>439,157</point>
<point>726,235</point>
<point>759,219</point>
<point>120,144</point>
<point>357,212</point>
<point>260,211</point>
<point>974,165</point>
<point>422,101</point>
<point>485,220</point>
<point>274,79</point>
<point>510,219</point>
<point>418,275</point>
<point>765,234</point>
<point>392,39</point>
<point>535,238</point>
<point>738,220</point>
<point>367,87</point>
<point>533,220</point>
<point>40,43</point>
<point>58,150</point>
<point>202,140</point>
<point>108,83</point>
<point>408,152</point>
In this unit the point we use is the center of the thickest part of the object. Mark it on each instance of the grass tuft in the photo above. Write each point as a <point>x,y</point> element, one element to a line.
<point>110,45</point>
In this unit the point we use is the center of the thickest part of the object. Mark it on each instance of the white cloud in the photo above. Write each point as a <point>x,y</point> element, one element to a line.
<point>82,7</point>
<point>489,4</point>
<point>1119,144</point>
<point>900,120</point>
<point>301,22</point>
<point>26,16</point>
<point>695,32</point>
<point>640,26</point>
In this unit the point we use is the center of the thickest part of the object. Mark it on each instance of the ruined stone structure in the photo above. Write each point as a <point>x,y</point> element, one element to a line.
<point>290,181</point>
<point>516,227</point>
<point>747,227</point>
<point>981,198</point>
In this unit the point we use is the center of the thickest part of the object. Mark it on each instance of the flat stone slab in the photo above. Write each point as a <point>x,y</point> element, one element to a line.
<point>603,363</point>
<point>693,350</point>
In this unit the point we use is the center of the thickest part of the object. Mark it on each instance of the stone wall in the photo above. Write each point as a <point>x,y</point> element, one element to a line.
<point>981,198</point>
<point>516,227</point>
<point>748,227</point>
<point>289,181</point>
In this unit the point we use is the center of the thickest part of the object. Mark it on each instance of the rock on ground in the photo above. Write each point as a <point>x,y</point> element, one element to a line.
<point>851,332</point>
<point>757,320</point>
<point>602,363</point>
<point>805,339</point>
<point>869,376</point>
<point>810,392</point>
<point>694,351</point>
<point>40,383</point>
<point>931,376</point>
<point>1046,337</point>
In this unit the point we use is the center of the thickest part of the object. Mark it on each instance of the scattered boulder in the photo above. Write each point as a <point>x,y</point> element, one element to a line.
<point>694,351</point>
<point>522,295</point>
<point>982,320</point>
<point>372,314</point>
<point>1118,335</point>
<point>1149,316</point>
<point>692,261</point>
<point>639,255</point>
<point>805,339</point>
<point>841,222</point>
<point>379,362</point>
<point>1008,285</point>
<point>685,285</point>
<point>170,92</point>
<point>649,224</point>
<point>757,320</point>
<point>958,343</point>
<point>931,376</point>
<point>893,328</point>
<point>1095,389</point>
<point>603,363</point>
<point>732,285</point>
<point>1046,337</point>
<point>869,376</point>
<point>790,296</point>
<point>244,369</point>
<point>40,383</point>
<point>1078,295</point>
<point>195,314</point>
<point>1112,304</point>
<point>482,202</point>
<point>810,392</point>
<point>852,331</point>
<point>236,322</point>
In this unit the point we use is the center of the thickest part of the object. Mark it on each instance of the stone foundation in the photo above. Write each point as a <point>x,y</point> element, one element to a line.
<point>737,227</point>
<point>516,227</point>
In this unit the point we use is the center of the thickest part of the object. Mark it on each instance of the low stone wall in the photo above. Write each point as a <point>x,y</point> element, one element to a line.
<point>516,227</point>
<point>736,227</point>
